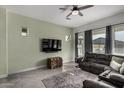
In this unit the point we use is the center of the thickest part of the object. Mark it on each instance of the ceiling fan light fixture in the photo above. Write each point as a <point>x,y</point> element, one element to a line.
<point>75,12</point>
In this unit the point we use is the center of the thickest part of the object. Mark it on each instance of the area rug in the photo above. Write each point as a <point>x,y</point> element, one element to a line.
<point>69,79</point>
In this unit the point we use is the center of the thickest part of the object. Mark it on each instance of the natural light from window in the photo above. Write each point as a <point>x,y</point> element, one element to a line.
<point>118,39</point>
<point>98,40</point>
<point>81,44</point>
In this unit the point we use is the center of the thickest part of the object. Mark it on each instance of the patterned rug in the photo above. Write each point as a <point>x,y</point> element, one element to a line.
<point>69,79</point>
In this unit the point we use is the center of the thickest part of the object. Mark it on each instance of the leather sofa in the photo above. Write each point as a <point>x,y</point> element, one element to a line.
<point>100,64</point>
<point>107,79</point>
<point>95,63</point>
<point>97,84</point>
<point>112,77</point>
<point>112,80</point>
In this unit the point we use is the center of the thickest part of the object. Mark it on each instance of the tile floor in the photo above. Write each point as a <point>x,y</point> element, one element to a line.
<point>32,79</point>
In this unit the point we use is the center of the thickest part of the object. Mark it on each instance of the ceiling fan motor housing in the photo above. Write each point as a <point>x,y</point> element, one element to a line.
<point>75,11</point>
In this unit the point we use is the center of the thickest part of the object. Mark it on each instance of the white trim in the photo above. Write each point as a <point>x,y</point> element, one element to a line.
<point>7,42</point>
<point>4,76</point>
<point>118,54</point>
<point>28,69</point>
<point>68,61</point>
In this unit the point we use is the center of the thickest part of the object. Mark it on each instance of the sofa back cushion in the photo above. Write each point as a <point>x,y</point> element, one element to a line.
<point>103,59</point>
<point>98,58</point>
<point>118,59</point>
<point>90,57</point>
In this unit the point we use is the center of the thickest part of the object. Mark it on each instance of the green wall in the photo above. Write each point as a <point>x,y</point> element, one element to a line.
<point>3,65</point>
<point>19,53</point>
<point>24,52</point>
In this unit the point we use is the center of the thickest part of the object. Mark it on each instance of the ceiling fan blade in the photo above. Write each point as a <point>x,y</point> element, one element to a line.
<point>62,9</point>
<point>65,8</point>
<point>68,14</point>
<point>80,14</point>
<point>85,7</point>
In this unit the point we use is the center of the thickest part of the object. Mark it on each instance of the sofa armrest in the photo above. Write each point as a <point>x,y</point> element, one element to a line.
<point>79,59</point>
<point>117,77</point>
<point>96,84</point>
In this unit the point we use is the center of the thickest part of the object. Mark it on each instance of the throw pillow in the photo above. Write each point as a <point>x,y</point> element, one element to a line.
<point>115,65</point>
<point>118,59</point>
<point>122,68</point>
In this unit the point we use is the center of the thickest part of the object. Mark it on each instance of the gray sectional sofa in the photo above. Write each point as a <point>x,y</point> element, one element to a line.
<point>95,63</point>
<point>100,64</point>
<point>107,79</point>
<point>97,84</point>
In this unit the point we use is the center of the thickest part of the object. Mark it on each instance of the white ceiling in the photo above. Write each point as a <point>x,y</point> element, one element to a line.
<point>52,14</point>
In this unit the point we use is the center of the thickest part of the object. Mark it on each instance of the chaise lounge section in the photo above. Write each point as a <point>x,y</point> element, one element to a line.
<point>97,84</point>
<point>95,63</point>
<point>111,80</point>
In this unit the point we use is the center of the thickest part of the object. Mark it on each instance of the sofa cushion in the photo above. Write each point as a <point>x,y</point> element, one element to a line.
<point>101,57</point>
<point>98,58</point>
<point>103,62</point>
<point>115,65</point>
<point>84,65</point>
<point>97,84</point>
<point>90,57</point>
<point>118,59</point>
<point>97,66</point>
<point>122,69</point>
<point>91,60</point>
<point>95,63</point>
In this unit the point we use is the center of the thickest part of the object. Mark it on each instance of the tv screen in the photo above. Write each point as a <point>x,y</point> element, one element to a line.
<point>51,45</point>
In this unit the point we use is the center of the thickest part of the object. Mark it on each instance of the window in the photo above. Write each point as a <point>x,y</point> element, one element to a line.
<point>118,39</point>
<point>98,40</point>
<point>80,44</point>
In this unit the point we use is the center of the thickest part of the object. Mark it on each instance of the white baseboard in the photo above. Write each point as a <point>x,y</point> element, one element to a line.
<point>20,71</point>
<point>4,76</point>
<point>68,61</point>
<point>28,69</point>
<point>24,70</point>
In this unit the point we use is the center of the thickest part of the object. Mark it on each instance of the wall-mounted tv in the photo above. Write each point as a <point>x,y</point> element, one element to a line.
<point>50,45</point>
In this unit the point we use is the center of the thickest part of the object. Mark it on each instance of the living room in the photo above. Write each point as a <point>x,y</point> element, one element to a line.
<point>85,46</point>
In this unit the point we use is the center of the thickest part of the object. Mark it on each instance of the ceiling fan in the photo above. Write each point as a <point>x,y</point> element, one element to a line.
<point>75,10</point>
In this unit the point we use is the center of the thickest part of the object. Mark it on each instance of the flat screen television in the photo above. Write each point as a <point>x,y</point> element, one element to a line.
<point>51,45</point>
